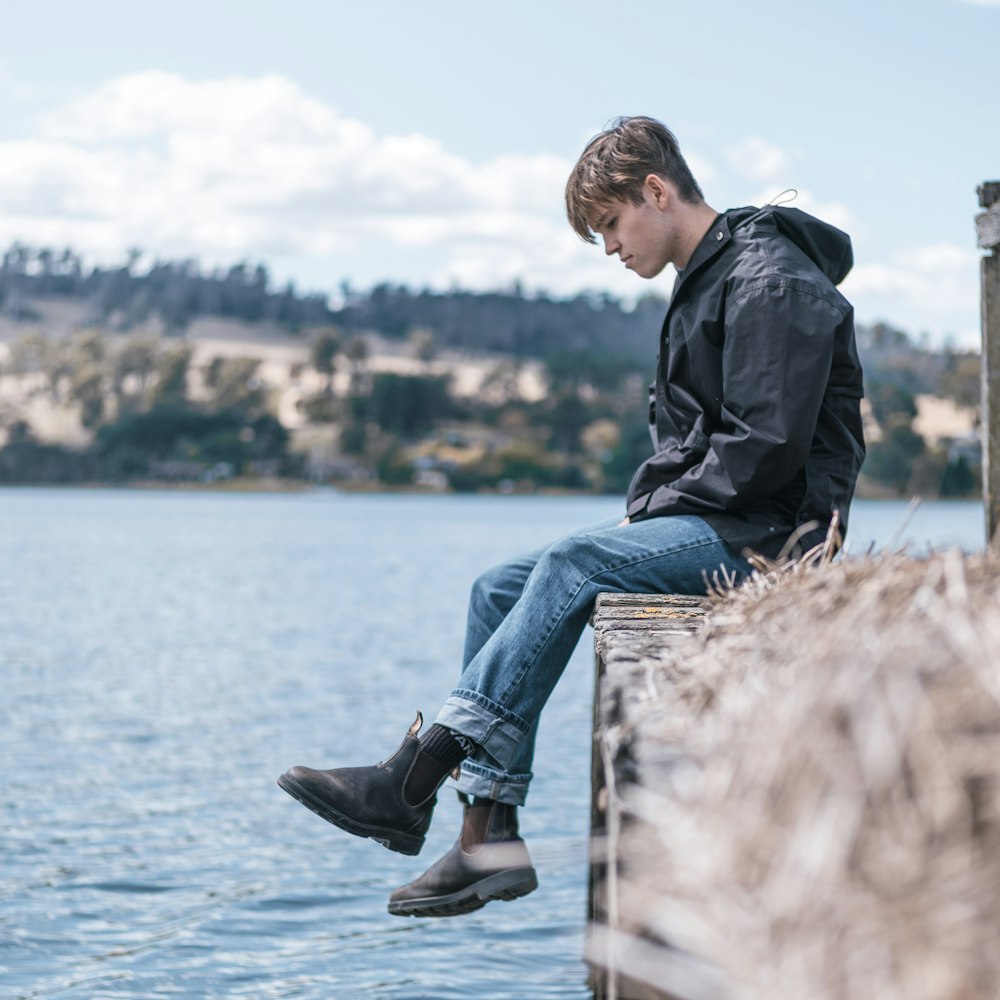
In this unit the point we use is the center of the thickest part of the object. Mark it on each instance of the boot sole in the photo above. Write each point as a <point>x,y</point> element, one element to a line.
<point>503,885</point>
<point>394,840</point>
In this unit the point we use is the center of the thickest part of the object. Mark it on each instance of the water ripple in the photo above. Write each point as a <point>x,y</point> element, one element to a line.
<point>164,657</point>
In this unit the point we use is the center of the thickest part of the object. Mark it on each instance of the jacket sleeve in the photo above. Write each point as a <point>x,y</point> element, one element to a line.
<point>776,359</point>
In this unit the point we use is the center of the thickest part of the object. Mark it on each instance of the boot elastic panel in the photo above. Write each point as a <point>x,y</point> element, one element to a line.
<point>476,827</point>
<point>425,777</point>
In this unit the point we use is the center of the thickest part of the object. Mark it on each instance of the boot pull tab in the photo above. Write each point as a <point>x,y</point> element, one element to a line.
<point>417,723</point>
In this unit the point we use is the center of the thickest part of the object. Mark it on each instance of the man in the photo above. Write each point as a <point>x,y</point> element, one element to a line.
<point>755,419</point>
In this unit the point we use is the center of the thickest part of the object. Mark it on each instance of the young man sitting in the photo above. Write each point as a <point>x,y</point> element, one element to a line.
<point>757,443</point>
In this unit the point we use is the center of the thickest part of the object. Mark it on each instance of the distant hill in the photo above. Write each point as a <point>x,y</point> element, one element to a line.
<point>53,291</point>
<point>115,374</point>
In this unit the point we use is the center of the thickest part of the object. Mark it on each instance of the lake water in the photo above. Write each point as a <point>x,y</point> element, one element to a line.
<point>165,656</point>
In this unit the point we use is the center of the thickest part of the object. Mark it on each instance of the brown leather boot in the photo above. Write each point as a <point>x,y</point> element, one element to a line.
<point>489,861</point>
<point>372,801</point>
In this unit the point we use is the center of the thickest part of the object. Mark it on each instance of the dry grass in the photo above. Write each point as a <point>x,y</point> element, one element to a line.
<point>837,831</point>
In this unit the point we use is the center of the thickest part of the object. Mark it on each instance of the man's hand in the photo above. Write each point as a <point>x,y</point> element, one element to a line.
<point>623,523</point>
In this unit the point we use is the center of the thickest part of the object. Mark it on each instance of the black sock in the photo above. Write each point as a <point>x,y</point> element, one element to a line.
<point>446,746</point>
<point>441,751</point>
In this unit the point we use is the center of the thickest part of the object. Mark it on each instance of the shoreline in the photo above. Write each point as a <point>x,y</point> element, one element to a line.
<point>248,484</point>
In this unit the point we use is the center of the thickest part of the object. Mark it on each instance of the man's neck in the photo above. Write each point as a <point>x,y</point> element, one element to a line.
<point>696,222</point>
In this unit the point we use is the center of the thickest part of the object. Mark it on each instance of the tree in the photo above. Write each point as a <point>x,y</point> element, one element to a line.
<point>323,353</point>
<point>408,405</point>
<point>890,401</point>
<point>270,437</point>
<point>171,375</point>
<point>962,378</point>
<point>87,389</point>
<point>569,369</point>
<point>958,479</point>
<point>891,459</point>
<point>633,448</point>
<point>356,352</point>
<point>135,361</point>
<point>235,384</point>
<point>87,355</point>
<point>501,384</point>
<point>31,354</point>
<point>566,418</point>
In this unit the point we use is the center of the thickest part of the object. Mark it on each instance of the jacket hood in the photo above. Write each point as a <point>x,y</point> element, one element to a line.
<point>826,246</point>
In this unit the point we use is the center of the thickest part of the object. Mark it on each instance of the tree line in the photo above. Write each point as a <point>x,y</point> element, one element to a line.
<point>176,292</point>
<point>133,390</point>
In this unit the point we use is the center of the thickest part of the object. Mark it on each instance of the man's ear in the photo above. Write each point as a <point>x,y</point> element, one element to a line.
<point>658,190</point>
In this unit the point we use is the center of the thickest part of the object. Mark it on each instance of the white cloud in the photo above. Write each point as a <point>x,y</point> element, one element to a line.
<point>254,168</point>
<point>233,167</point>
<point>773,173</point>
<point>758,160</point>
<point>932,288</point>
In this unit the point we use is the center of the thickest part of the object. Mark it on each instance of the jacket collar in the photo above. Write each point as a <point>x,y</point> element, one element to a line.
<point>720,234</point>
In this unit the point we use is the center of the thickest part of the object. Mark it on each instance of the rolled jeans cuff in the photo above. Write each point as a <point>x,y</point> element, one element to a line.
<point>494,729</point>
<point>485,782</point>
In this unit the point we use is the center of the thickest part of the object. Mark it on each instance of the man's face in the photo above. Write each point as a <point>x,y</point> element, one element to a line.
<point>642,235</point>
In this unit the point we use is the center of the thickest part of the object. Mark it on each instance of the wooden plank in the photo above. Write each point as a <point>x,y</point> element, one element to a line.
<point>991,397</point>
<point>988,228</point>
<point>988,234</point>
<point>989,193</point>
<point>597,876</point>
<point>632,633</point>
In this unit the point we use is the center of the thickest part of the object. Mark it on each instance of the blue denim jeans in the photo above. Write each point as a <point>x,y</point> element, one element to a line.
<point>526,617</point>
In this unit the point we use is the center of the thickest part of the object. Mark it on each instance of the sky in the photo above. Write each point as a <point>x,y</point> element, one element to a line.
<point>429,144</point>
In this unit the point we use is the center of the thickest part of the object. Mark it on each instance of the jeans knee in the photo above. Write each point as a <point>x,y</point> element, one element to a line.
<point>563,565</point>
<point>488,589</point>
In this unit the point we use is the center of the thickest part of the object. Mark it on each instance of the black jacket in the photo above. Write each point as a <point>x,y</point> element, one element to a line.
<point>755,411</point>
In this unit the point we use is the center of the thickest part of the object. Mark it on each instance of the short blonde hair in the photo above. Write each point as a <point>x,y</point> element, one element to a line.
<point>616,163</point>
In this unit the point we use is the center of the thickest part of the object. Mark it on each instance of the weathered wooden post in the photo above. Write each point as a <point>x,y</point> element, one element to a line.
<point>988,233</point>
<point>628,960</point>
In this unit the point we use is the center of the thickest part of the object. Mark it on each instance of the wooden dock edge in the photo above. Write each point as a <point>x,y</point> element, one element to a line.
<point>629,961</point>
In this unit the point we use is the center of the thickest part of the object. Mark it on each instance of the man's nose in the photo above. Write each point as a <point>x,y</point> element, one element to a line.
<point>611,245</point>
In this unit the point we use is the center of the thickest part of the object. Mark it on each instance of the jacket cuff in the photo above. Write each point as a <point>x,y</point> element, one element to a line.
<point>637,508</point>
